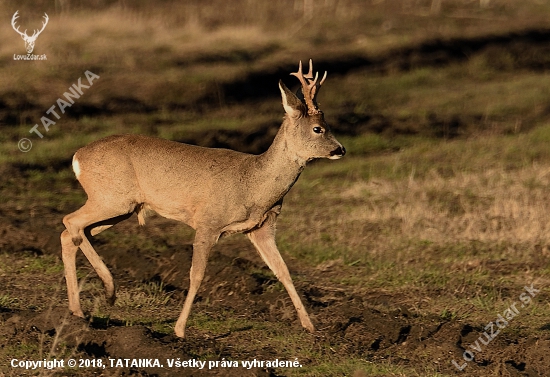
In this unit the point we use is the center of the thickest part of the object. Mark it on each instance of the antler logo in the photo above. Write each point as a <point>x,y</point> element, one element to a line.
<point>29,41</point>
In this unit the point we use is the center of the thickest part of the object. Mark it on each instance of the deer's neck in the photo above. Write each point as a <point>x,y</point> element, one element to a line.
<point>278,168</point>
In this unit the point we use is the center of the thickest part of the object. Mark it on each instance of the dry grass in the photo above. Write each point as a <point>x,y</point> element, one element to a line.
<point>491,206</point>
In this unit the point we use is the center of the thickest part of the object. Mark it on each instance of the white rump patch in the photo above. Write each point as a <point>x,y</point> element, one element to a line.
<point>76,167</point>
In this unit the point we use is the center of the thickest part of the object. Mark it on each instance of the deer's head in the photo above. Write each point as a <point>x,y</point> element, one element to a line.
<point>29,40</point>
<point>309,136</point>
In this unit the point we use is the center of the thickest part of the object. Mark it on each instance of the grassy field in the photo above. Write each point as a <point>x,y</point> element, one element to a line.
<point>404,251</point>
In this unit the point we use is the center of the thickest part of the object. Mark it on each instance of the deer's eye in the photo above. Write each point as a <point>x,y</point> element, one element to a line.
<point>318,130</point>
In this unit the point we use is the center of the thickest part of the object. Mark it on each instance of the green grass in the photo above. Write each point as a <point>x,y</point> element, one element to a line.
<point>6,301</point>
<point>48,264</point>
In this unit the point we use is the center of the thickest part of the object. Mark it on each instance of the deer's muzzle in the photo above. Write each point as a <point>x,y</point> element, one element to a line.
<point>337,153</point>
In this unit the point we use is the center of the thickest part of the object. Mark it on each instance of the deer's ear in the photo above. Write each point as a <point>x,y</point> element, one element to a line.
<point>292,105</point>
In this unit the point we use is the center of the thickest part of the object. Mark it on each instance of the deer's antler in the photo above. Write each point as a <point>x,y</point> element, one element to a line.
<point>310,86</point>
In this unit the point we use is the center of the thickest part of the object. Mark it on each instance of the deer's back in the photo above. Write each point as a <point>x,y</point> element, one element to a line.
<point>156,170</point>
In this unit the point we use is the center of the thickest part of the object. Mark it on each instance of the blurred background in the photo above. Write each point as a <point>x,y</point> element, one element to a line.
<point>437,68</point>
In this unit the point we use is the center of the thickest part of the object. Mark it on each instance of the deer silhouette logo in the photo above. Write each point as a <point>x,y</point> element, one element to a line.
<point>29,40</point>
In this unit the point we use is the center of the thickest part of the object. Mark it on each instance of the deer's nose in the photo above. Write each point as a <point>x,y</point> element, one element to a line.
<point>340,151</point>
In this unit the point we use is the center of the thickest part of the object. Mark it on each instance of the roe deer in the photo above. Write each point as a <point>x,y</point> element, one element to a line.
<point>215,191</point>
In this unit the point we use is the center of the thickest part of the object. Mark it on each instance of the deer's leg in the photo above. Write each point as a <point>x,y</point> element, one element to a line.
<point>68,254</point>
<point>201,250</point>
<point>74,237</point>
<point>102,216</point>
<point>263,239</point>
